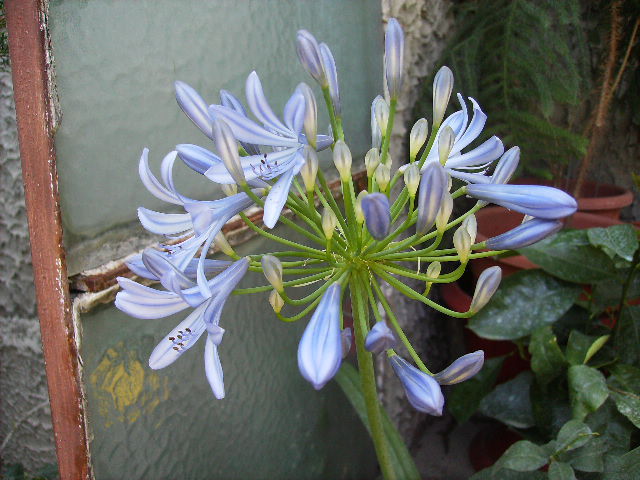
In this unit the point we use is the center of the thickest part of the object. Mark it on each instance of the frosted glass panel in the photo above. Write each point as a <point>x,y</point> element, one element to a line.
<point>116,62</point>
<point>166,424</point>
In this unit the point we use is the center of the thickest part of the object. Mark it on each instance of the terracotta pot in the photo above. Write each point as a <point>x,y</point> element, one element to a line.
<point>457,299</point>
<point>493,221</point>
<point>601,199</point>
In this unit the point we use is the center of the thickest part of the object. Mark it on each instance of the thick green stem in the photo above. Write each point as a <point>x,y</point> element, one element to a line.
<point>367,377</point>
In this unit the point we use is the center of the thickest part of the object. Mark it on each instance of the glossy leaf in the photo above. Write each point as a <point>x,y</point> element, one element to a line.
<point>487,474</point>
<point>464,399</point>
<point>587,389</point>
<point>523,456</point>
<point>512,312</point>
<point>624,388</point>
<point>619,239</point>
<point>625,467</point>
<point>547,359</point>
<point>510,402</point>
<point>577,347</point>
<point>561,471</point>
<point>570,256</point>
<point>628,336</point>
<point>573,434</point>
<point>589,458</point>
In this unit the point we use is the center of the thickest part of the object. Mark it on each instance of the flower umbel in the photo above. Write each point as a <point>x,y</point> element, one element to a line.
<point>374,234</point>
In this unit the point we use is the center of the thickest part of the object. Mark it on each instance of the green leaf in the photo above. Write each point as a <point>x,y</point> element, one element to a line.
<point>624,388</point>
<point>577,347</point>
<point>590,457</point>
<point>522,456</point>
<point>627,340</point>
<point>487,474</point>
<point>401,460</point>
<point>547,359</point>
<point>587,389</point>
<point>596,346</point>
<point>625,467</point>
<point>569,256</point>
<point>465,397</point>
<point>621,239</point>
<point>574,434</point>
<point>510,402</point>
<point>561,471</point>
<point>525,302</point>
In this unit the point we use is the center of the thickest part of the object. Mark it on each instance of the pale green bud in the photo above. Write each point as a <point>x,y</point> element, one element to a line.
<point>371,161</point>
<point>221,242</point>
<point>412,179</point>
<point>445,144</point>
<point>342,160</point>
<point>309,170</point>
<point>381,110</point>
<point>417,137</point>
<point>383,176</point>
<point>488,283</point>
<point>462,243</point>
<point>329,222</point>
<point>442,88</point>
<point>272,269</point>
<point>229,189</point>
<point>276,301</point>
<point>471,224</point>
<point>359,211</point>
<point>434,269</point>
<point>446,207</point>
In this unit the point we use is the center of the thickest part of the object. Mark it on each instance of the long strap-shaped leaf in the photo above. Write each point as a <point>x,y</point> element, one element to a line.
<point>403,463</point>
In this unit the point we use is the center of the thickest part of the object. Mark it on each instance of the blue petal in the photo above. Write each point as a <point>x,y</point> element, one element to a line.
<point>294,113</point>
<point>278,194</point>
<point>197,158</point>
<point>485,153</point>
<point>193,106</point>
<point>528,233</point>
<point>146,302</point>
<point>152,183</point>
<point>255,167</point>
<point>473,130</point>
<point>423,392</point>
<point>380,338</point>
<point>320,349</point>
<point>213,368</point>
<point>164,223</point>
<point>260,106</point>
<point>375,207</point>
<point>329,67</point>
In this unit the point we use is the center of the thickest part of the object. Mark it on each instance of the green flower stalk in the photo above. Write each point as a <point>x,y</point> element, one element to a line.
<point>349,246</point>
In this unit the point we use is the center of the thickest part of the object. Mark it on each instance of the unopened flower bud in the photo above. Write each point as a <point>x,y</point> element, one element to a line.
<point>461,369</point>
<point>526,234</point>
<point>462,243</point>
<point>488,283</point>
<point>471,224</point>
<point>228,149</point>
<point>434,269</point>
<point>371,161</point>
<point>417,137</point>
<point>310,124</point>
<point>346,335</point>
<point>506,166</point>
<point>376,131</point>
<point>272,269</point>
<point>442,88</point>
<point>381,109</point>
<point>422,390</point>
<point>358,207</point>
<point>329,222</point>
<point>221,242</point>
<point>445,143</point>
<point>309,170</point>
<point>329,67</point>
<point>442,219</point>
<point>380,338</point>
<point>342,160</point>
<point>412,179</point>
<point>394,52</point>
<point>383,176</point>
<point>432,189</point>
<point>309,54</point>
<point>276,301</point>
<point>377,215</point>
<point>229,189</point>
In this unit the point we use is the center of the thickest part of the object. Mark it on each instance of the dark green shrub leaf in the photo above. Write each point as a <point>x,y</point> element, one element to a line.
<point>574,434</point>
<point>628,337</point>
<point>510,402</point>
<point>561,471</point>
<point>587,389</point>
<point>547,359</point>
<point>589,458</point>
<point>624,388</point>
<point>523,456</point>
<point>570,256</point>
<point>625,467</point>
<point>620,239</point>
<point>525,302</point>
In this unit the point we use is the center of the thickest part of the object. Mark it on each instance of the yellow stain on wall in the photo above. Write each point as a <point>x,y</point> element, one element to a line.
<point>125,388</point>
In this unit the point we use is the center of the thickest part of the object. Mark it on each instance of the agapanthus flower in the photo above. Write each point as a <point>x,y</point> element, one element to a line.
<point>145,302</point>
